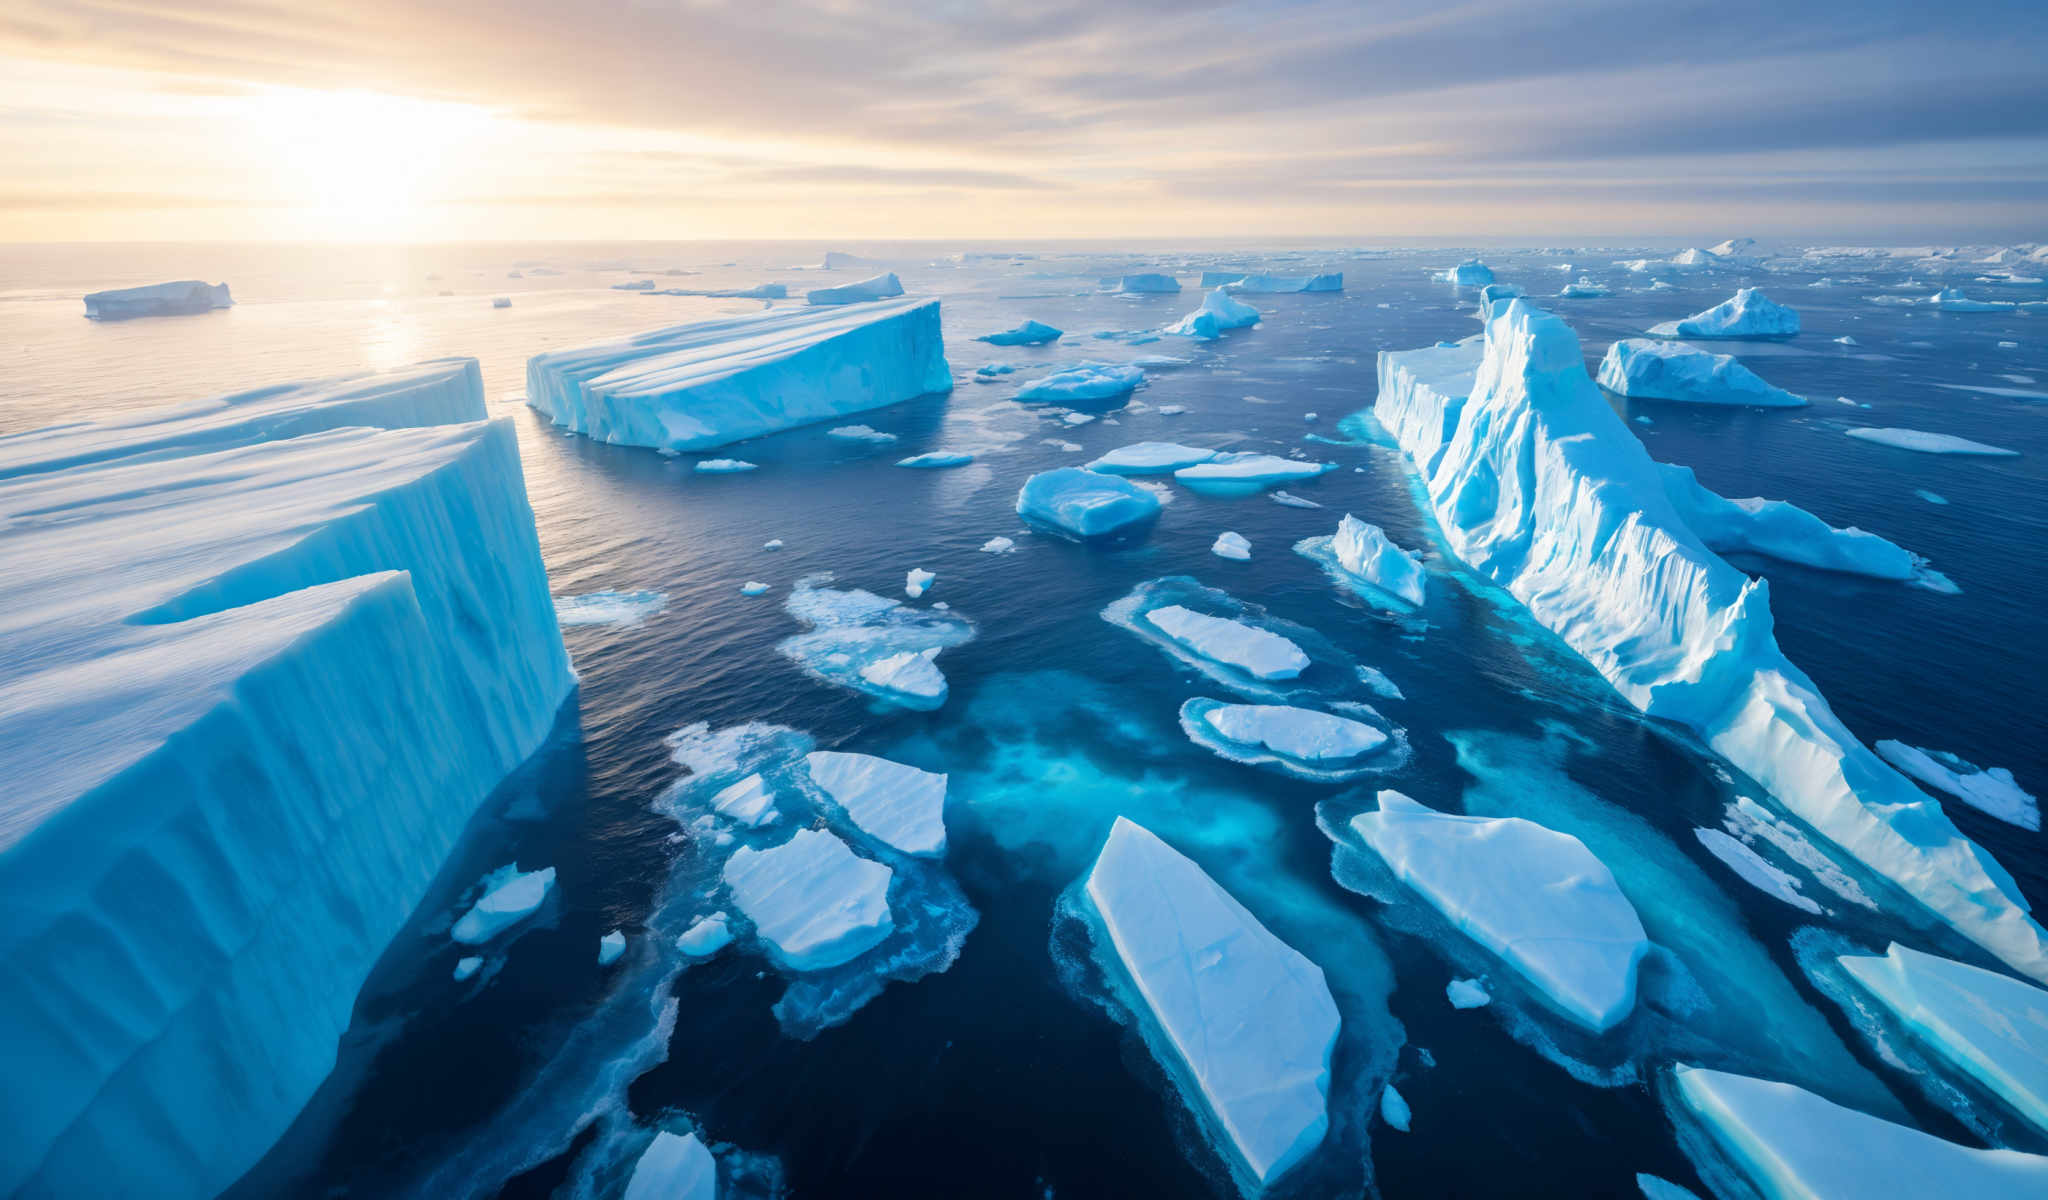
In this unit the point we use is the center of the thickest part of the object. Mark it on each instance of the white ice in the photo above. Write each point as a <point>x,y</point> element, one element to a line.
<point>1084,503</point>
<point>1366,553</point>
<point>859,433</point>
<point>876,287</point>
<point>705,936</point>
<point>610,947</point>
<point>510,896</point>
<point>1534,896</point>
<point>1928,443</point>
<point>998,545</point>
<point>1583,288</point>
<point>917,581</point>
<point>1754,870</point>
<point>936,460</point>
<point>1467,993</point>
<point>814,903</point>
<point>1083,382</point>
<point>1249,469</point>
<point>1150,458</point>
<point>1987,789</point>
<point>1394,1109</point>
<point>673,1167</point>
<point>158,300</point>
<point>753,587</point>
<point>1747,314</point>
<point>1470,273</point>
<point>871,643</point>
<point>1261,654</point>
<point>1652,370</point>
<point>1303,734</point>
<point>749,802</point>
<point>1030,333</point>
<point>1219,312</point>
<point>1231,545</point>
<point>725,466</point>
<point>891,801</point>
<point>624,609</point>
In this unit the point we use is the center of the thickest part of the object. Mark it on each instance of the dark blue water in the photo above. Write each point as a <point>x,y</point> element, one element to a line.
<point>1008,1073</point>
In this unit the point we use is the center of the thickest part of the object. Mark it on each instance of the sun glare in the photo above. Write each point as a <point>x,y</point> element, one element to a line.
<point>359,165</point>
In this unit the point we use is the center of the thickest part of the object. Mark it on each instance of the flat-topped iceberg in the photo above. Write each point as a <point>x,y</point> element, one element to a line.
<point>1269,285</point>
<point>877,287</point>
<point>1219,312</point>
<point>1989,1027</point>
<point>510,896</point>
<point>871,643</point>
<point>1248,1022</point>
<point>1241,473</point>
<point>1232,546</point>
<point>891,801</point>
<point>1541,488</point>
<point>1301,741</point>
<point>1585,287</point>
<point>1470,273</point>
<point>1148,283</point>
<point>1150,458</point>
<point>1987,789</point>
<point>1030,333</point>
<point>1924,442</point>
<point>1643,369</point>
<point>1083,382</point>
<point>1534,896</point>
<point>158,300</point>
<point>1365,553</point>
<point>1085,503</point>
<point>240,597</point>
<point>1259,653</point>
<point>1747,314</point>
<point>1794,1145</point>
<point>813,901</point>
<point>711,383</point>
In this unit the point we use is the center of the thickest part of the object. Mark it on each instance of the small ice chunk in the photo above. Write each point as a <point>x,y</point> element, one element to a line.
<point>1366,553</point>
<point>674,1167</point>
<point>1928,443</point>
<point>1249,468</point>
<point>909,673</point>
<point>1255,651</point>
<point>1470,273</point>
<point>1150,458</point>
<point>501,302</point>
<point>917,581</point>
<point>1655,1188</point>
<point>1536,897</point>
<point>998,545</point>
<point>1747,314</point>
<point>1930,497</point>
<point>509,898</point>
<point>1953,300</point>
<point>1030,333</point>
<point>1991,789</point>
<point>1467,993</point>
<point>1078,418</point>
<point>1084,381</point>
<point>859,433</point>
<point>1847,340</point>
<point>813,901</point>
<point>724,466</point>
<point>772,544</point>
<point>610,947</point>
<point>465,968</point>
<point>1231,545</point>
<point>706,937</point>
<point>1394,1109</point>
<point>894,802</point>
<point>1290,500</point>
<point>753,587</point>
<point>748,802</point>
<point>1755,870</point>
<point>935,460</point>
<point>1585,287</point>
<point>1172,410</point>
<point>1085,503</point>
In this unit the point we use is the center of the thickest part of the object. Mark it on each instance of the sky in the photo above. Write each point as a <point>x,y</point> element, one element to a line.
<point>395,120</point>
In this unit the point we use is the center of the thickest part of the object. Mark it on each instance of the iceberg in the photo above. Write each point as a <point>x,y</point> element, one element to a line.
<point>877,287</point>
<point>766,291</point>
<point>1470,273</point>
<point>206,614</point>
<point>1082,382</point>
<point>1583,288</point>
<point>889,801</point>
<point>1990,1028</point>
<point>466,968</point>
<point>1538,486</point>
<point>1794,1145</point>
<point>634,285</point>
<point>1030,333</point>
<point>1747,314</point>
<point>754,587</point>
<point>1219,312</point>
<point>1231,545</point>
<point>916,581</point>
<point>1394,1109</point>
<point>1649,370</point>
<point>1467,993</point>
<point>705,936</point>
<point>1249,1022</point>
<point>1990,790</point>
<point>936,460</point>
<point>839,260</point>
<point>510,897</point>
<point>1365,553</point>
<point>711,383</point>
<point>1953,300</point>
<point>1533,896</point>
<point>1267,285</point>
<point>158,300</point>
<point>673,1167</point>
<point>1085,503</point>
<point>814,903</point>
<point>1148,284</point>
<point>611,947</point>
<point>1150,458</point>
<point>872,644</point>
<point>1784,531</point>
<point>1929,443</point>
<point>1240,473</point>
<point>1257,652</point>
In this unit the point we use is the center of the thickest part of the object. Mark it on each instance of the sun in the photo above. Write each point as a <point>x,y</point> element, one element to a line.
<point>359,166</point>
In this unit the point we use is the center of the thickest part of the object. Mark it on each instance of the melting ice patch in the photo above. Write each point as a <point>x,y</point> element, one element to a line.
<point>1302,742</point>
<point>623,609</point>
<point>1244,473</point>
<point>1928,443</point>
<point>872,644</point>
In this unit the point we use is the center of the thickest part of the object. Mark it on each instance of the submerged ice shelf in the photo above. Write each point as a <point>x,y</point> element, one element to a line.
<point>252,588</point>
<point>711,383</point>
<point>1540,488</point>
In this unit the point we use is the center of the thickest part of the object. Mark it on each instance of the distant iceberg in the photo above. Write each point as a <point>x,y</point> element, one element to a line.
<point>1747,314</point>
<point>879,287</point>
<point>711,383</point>
<point>158,300</point>
<point>1083,503</point>
<point>1539,487</point>
<point>1271,285</point>
<point>1148,284</point>
<point>839,260</point>
<point>1248,1022</point>
<point>1953,300</point>
<point>1644,369</point>
<point>1470,273</point>
<point>1583,288</point>
<point>1030,333</point>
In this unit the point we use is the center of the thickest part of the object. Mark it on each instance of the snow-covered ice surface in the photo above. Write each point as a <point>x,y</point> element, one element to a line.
<point>1250,1020</point>
<point>812,901</point>
<point>1259,653</point>
<point>1030,333</point>
<point>1244,473</point>
<point>1987,789</point>
<point>893,801</point>
<point>711,383</point>
<point>1231,545</point>
<point>1360,556</point>
<point>1651,370</point>
<point>1747,314</point>
<point>509,897</point>
<point>1929,442</point>
<point>1302,742</point>
<point>1150,458</point>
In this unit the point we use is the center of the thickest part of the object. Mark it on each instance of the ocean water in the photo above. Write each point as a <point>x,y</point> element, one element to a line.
<point>1010,1071</point>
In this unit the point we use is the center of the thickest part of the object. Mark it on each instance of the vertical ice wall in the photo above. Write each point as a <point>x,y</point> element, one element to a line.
<point>250,693</point>
<point>1541,488</point>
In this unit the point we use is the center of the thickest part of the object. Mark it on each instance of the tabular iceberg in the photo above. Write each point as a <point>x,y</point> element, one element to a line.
<point>1924,442</point>
<point>1261,654</point>
<point>1250,1020</point>
<point>185,604</point>
<point>1990,1027</point>
<point>1987,789</point>
<point>813,901</point>
<point>892,801</point>
<point>1150,458</point>
<point>712,383</point>
<point>1534,896</point>
<point>1650,370</point>
<point>1793,1145</point>
<point>1148,283</point>
<point>158,300</point>
<point>1542,489</point>
<point>878,287</point>
<point>1747,314</point>
<point>1470,273</point>
<point>1219,312</point>
<point>1085,503</point>
<point>1030,333</point>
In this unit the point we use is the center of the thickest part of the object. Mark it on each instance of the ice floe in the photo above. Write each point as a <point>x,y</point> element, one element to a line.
<point>899,804</point>
<point>875,287</point>
<point>1467,993</point>
<point>917,581</point>
<point>1298,741</point>
<point>673,1168</point>
<point>623,609</point>
<point>1651,370</point>
<point>1243,473</point>
<point>725,466</point>
<point>936,460</point>
<point>872,644</point>
<point>1085,382</point>
<point>1928,443</point>
<point>1085,504</point>
<point>1231,545</point>
<point>705,936</point>
<point>611,947</point>
<point>1394,1109</point>
<point>1150,458</point>
<point>859,433</point>
<point>1256,652</point>
<point>1755,871</point>
<point>510,896</point>
<point>1987,789</point>
<point>749,802</point>
<point>1583,288</point>
<point>813,902</point>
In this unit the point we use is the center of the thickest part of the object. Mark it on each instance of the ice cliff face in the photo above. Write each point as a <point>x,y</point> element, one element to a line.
<point>1539,487</point>
<point>254,689</point>
<point>711,383</point>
